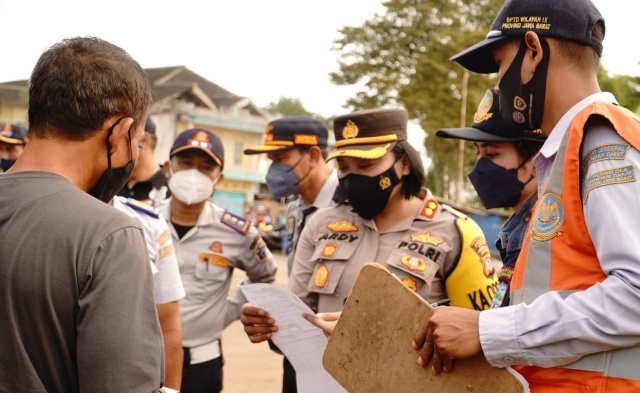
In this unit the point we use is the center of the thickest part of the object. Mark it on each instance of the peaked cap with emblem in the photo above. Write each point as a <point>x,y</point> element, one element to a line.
<point>13,134</point>
<point>369,133</point>
<point>572,20</point>
<point>199,138</point>
<point>290,132</point>
<point>487,125</point>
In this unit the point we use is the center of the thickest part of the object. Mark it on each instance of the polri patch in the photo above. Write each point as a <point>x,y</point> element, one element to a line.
<point>479,245</point>
<point>236,222</point>
<point>260,251</point>
<point>607,177</point>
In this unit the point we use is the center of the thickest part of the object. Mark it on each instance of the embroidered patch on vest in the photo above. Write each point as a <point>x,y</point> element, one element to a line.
<point>479,245</point>
<point>413,263</point>
<point>619,175</point>
<point>342,226</point>
<point>322,274</point>
<point>411,284</point>
<point>426,238</point>
<point>549,218</point>
<point>610,151</point>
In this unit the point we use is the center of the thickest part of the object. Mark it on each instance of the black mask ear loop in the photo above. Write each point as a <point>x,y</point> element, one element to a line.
<point>109,144</point>
<point>521,165</point>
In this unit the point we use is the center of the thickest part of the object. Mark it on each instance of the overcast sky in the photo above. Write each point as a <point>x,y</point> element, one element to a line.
<point>254,48</point>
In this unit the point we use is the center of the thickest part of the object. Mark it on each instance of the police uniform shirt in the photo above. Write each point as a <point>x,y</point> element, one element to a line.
<point>166,278</point>
<point>207,254</point>
<point>423,251</point>
<point>296,208</point>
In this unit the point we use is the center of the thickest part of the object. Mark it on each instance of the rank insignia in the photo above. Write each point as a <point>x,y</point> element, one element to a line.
<point>236,222</point>
<point>216,247</point>
<point>413,263</point>
<point>342,226</point>
<point>430,208</point>
<point>143,207</point>
<point>164,236</point>
<point>329,250</point>
<point>426,238</point>
<point>411,284</point>
<point>322,274</point>
<point>166,251</point>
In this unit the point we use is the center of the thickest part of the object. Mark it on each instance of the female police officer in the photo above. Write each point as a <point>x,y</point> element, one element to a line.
<point>388,217</point>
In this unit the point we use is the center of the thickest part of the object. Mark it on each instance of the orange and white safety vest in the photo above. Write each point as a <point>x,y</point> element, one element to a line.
<point>575,264</point>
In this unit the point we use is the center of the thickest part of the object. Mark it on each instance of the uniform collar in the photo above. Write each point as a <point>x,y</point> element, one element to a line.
<point>206,217</point>
<point>325,196</point>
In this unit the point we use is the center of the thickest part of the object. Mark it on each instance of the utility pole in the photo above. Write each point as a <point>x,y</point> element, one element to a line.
<point>463,115</point>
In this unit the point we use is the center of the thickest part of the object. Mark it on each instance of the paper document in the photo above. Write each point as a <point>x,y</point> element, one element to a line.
<point>301,342</point>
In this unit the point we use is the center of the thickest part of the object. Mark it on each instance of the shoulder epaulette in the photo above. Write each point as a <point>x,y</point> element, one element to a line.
<point>236,222</point>
<point>454,211</point>
<point>143,207</point>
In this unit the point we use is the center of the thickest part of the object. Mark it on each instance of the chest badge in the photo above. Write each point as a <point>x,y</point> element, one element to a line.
<point>426,238</point>
<point>321,277</point>
<point>413,263</point>
<point>342,226</point>
<point>329,250</point>
<point>411,284</point>
<point>216,247</point>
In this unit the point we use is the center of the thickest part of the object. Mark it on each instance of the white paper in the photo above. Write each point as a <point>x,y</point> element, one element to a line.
<point>301,342</point>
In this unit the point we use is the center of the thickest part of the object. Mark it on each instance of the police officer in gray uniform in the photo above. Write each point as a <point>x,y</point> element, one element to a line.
<point>210,242</point>
<point>297,147</point>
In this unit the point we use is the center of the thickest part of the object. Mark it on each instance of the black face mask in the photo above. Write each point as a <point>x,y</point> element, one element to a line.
<point>113,179</point>
<point>369,195</point>
<point>521,106</point>
<point>496,186</point>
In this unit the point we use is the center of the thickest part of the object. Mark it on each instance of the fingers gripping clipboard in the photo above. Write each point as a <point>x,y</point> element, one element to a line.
<point>370,349</point>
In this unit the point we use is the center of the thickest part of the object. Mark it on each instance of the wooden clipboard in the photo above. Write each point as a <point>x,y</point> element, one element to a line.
<point>370,349</point>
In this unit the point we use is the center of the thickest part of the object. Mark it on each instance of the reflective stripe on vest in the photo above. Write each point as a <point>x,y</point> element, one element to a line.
<point>575,266</point>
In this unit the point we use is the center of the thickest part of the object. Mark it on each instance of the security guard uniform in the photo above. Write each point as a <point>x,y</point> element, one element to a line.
<point>426,252</point>
<point>166,275</point>
<point>207,254</point>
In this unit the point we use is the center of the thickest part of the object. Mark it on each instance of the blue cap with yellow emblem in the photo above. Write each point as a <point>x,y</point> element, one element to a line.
<point>487,125</point>
<point>199,138</point>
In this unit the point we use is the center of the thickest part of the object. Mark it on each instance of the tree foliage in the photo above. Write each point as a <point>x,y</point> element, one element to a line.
<point>625,88</point>
<point>402,59</point>
<point>287,106</point>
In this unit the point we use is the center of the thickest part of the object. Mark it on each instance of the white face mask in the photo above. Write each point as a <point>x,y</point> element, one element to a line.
<point>191,186</point>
